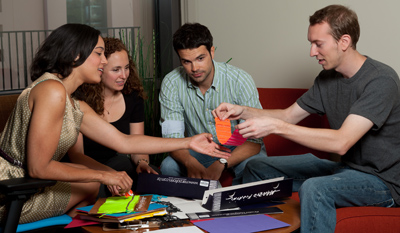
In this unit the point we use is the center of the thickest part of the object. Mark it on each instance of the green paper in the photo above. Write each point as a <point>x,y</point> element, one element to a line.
<point>118,205</point>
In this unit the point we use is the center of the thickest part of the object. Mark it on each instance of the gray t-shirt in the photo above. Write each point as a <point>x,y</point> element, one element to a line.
<point>374,93</point>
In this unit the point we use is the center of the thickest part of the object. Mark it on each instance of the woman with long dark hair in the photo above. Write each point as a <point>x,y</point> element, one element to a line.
<point>46,122</point>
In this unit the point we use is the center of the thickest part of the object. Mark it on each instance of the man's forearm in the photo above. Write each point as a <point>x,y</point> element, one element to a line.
<point>250,112</point>
<point>182,156</point>
<point>328,140</point>
<point>243,152</point>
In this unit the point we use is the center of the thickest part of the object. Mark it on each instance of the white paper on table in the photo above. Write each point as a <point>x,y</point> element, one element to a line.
<point>189,207</point>
<point>185,205</point>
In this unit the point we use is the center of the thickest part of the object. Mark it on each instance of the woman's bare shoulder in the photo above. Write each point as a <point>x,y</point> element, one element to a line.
<point>49,92</point>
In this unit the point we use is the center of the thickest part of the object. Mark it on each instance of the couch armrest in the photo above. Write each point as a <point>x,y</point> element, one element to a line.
<point>23,185</point>
<point>17,191</point>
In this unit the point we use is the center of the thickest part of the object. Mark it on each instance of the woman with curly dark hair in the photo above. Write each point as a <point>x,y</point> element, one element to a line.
<point>118,99</point>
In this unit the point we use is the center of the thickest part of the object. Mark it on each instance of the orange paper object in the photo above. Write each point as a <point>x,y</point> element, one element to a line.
<point>223,129</point>
<point>224,134</point>
<point>128,194</point>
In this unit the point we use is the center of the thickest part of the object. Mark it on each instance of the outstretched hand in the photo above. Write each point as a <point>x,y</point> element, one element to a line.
<point>204,144</point>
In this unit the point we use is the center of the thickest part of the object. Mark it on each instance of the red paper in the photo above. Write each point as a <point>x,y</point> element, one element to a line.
<point>78,222</point>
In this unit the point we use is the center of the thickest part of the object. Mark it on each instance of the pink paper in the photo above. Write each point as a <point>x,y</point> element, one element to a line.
<point>78,222</point>
<point>236,139</point>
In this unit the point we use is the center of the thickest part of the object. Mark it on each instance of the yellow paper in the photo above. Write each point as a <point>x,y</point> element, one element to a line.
<point>119,205</point>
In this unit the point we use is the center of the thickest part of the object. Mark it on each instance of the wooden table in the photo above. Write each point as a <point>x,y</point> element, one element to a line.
<point>290,215</point>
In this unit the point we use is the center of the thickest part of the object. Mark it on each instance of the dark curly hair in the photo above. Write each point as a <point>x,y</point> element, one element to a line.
<point>59,50</point>
<point>92,94</point>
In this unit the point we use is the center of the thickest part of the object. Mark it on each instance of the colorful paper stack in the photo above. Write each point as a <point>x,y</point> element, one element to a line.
<point>122,209</point>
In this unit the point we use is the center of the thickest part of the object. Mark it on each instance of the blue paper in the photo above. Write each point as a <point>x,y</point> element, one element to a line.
<point>53,221</point>
<point>241,224</point>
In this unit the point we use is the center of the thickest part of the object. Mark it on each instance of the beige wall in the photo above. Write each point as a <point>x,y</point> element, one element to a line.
<point>143,13</point>
<point>25,15</point>
<point>121,13</point>
<point>18,15</point>
<point>268,38</point>
<point>56,13</point>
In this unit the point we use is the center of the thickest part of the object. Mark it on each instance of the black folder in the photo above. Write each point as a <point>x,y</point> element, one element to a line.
<point>245,194</point>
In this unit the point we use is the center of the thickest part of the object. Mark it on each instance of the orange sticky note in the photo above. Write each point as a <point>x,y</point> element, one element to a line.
<point>224,134</point>
<point>223,129</point>
<point>128,194</point>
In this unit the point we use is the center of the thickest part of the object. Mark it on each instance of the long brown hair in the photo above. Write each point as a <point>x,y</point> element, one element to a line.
<point>92,94</point>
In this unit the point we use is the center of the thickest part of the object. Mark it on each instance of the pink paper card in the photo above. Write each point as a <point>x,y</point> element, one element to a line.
<point>236,139</point>
<point>78,222</point>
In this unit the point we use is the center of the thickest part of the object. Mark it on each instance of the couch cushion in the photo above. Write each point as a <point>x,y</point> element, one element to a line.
<point>280,98</point>
<point>365,219</point>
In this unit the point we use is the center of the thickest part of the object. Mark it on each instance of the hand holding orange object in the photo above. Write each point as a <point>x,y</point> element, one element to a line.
<point>128,194</point>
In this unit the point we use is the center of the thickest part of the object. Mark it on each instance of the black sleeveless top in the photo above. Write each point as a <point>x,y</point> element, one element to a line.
<point>134,113</point>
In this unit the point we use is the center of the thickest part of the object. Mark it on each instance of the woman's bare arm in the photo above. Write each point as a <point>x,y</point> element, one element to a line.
<point>104,133</point>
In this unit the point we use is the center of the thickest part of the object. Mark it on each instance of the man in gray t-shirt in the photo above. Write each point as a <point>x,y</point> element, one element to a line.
<point>361,99</point>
